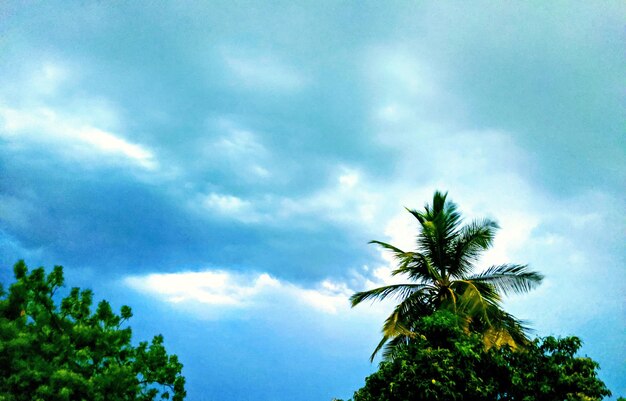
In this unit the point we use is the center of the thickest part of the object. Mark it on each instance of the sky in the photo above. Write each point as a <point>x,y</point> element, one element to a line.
<point>221,166</point>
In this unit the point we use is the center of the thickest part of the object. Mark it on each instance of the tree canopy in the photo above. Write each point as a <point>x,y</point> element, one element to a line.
<point>445,363</point>
<point>441,277</point>
<point>67,351</point>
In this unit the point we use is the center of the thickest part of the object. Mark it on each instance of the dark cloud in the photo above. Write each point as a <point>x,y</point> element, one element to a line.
<point>107,219</point>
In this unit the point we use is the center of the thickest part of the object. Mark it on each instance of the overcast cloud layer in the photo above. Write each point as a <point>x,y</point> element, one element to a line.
<point>221,168</point>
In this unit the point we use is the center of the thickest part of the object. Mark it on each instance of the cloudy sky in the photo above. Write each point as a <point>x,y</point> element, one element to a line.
<point>220,167</point>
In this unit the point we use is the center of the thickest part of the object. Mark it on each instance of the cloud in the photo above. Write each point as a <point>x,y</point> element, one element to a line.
<point>237,150</point>
<point>36,112</point>
<point>295,147</point>
<point>227,294</point>
<point>48,78</point>
<point>349,179</point>
<point>238,142</point>
<point>36,79</point>
<point>71,137</point>
<point>230,207</point>
<point>349,198</point>
<point>265,72</point>
<point>214,288</point>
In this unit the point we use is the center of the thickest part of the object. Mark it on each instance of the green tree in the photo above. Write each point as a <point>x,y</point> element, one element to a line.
<point>441,274</point>
<point>66,351</point>
<point>550,370</point>
<point>445,363</point>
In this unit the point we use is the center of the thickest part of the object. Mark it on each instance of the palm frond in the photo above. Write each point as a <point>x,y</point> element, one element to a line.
<point>397,326</point>
<point>392,347</point>
<point>475,298</point>
<point>418,268</point>
<point>407,312</point>
<point>400,291</point>
<point>470,242</point>
<point>509,278</point>
<point>450,219</point>
<point>415,265</point>
<point>439,226</point>
<point>505,328</point>
<point>380,346</point>
<point>418,215</point>
<point>439,201</point>
<point>397,252</point>
<point>450,300</point>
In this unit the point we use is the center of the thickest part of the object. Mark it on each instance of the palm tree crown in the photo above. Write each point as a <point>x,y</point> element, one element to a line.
<point>440,270</point>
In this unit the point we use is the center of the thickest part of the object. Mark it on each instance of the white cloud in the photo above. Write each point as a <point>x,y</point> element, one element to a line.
<point>108,143</point>
<point>347,199</point>
<point>214,288</point>
<point>225,203</point>
<point>34,80</point>
<point>238,149</point>
<point>401,70</point>
<point>220,293</point>
<point>349,179</point>
<point>239,142</point>
<point>70,137</point>
<point>260,171</point>
<point>49,77</point>
<point>230,206</point>
<point>78,129</point>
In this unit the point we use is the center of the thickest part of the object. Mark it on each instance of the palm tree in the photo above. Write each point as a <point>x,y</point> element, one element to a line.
<point>440,271</point>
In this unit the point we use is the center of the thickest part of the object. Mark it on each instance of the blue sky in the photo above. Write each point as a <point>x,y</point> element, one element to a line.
<point>221,167</point>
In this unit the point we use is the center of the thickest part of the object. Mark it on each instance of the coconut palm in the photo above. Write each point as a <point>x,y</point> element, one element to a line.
<point>441,275</point>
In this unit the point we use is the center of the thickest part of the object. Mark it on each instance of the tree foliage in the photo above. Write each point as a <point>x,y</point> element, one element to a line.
<point>444,363</point>
<point>68,351</point>
<point>441,277</point>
